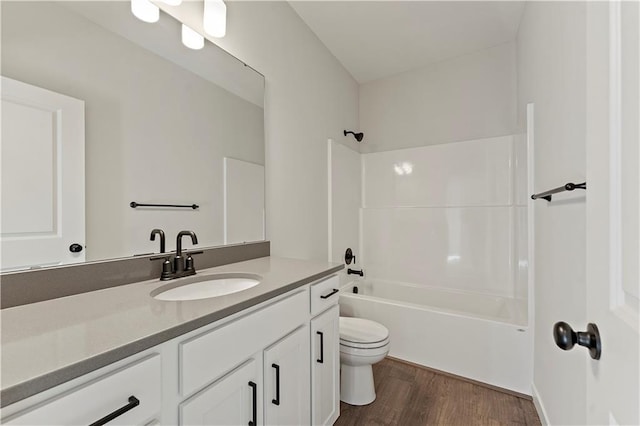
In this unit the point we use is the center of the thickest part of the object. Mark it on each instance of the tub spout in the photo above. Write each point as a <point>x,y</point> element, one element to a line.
<point>355,272</point>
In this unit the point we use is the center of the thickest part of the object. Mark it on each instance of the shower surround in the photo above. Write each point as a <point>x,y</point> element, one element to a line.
<point>443,242</point>
<point>451,215</point>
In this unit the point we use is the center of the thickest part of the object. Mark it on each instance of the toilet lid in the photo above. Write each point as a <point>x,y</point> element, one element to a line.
<point>360,330</point>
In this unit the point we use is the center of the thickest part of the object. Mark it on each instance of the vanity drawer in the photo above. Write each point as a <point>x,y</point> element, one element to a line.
<point>208,356</point>
<point>96,399</point>
<point>324,294</point>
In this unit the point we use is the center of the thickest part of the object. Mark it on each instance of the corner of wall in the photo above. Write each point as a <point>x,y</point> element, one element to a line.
<point>537,403</point>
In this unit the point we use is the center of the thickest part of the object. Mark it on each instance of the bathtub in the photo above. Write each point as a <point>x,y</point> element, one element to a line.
<point>480,337</point>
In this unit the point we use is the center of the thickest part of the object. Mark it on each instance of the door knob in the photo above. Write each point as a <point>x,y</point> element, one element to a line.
<point>566,338</point>
<point>75,248</point>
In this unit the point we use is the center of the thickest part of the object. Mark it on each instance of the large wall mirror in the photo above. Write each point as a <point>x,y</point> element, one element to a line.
<point>101,110</point>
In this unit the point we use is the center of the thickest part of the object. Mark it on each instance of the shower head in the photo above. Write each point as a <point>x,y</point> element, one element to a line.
<point>358,136</point>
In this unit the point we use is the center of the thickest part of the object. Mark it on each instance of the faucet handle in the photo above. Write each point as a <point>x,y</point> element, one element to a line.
<point>188,262</point>
<point>167,268</point>
<point>161,257</point>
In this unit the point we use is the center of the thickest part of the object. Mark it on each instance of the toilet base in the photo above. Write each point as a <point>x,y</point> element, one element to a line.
<point>356,384</point>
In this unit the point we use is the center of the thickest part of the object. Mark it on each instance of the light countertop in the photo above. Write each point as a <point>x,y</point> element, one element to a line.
<point>48,343</point>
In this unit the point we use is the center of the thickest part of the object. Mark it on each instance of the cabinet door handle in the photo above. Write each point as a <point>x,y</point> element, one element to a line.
<point>133,403</point>
<point>276,401</point>
<point>254,408</point>
<point>326,296</point>
<point>321,359</point>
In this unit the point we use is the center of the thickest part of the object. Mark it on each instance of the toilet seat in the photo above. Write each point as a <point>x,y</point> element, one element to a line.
<point>360,333</point>
<point>365,350</point>
<point>373,345</point>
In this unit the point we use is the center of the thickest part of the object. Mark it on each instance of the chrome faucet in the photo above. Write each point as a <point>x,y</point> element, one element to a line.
<point>181,266</point>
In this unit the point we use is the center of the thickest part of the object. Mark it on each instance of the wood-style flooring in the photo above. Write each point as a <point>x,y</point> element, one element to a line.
<point>409,395</point>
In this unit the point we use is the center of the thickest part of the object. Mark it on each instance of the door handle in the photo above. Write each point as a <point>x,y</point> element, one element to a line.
<point>276,400</point>
<point>566,338</point>
<point>75,248</point>
<point>326,296</point>
<point>133,403</point>
<point>321,359</point>
<point>254,408</point>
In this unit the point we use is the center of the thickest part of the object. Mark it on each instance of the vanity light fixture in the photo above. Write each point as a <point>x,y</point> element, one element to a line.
<point>191,38</point>
<point>145,11</point>
<point>215,18</point>
<point>172,2</point>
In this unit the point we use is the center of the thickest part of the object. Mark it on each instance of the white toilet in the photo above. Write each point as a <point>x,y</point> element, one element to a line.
<point>362,344</point>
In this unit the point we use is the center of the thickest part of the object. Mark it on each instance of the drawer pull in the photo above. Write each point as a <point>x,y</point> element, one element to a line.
<point>254,398</point>
<point>326,296</point>
<point>133,403</point>
<point>321,359</point>
<point>276,401</point>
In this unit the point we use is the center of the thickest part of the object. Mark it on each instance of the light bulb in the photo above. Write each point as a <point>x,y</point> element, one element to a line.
<point>215,18</point>
<point>145,11</point>
<point>192,39</point>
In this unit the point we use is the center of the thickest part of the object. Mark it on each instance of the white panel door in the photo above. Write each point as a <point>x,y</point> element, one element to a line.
<point>325,367</point>
<point>236,399</point>
<point>287,396</point>
<point>42,187</point>
<point>243,201</point>
<point>613,236</point>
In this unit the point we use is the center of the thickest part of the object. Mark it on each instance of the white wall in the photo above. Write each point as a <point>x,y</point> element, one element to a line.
<point>466,98</point>
<point>552,74</point>
<point>345,192</point>
<point>310,97</point>
<point>449,216</point>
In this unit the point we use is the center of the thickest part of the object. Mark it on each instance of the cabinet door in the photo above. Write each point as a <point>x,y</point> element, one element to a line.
<point>132,391</point>
<point>235,399</point>
<point>325,367</point>
<point>286,380</point>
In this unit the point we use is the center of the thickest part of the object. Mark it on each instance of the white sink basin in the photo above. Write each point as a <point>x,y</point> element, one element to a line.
<point>205,286</point>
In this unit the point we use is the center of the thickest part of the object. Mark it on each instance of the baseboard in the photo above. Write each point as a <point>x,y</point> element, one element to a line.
<point>462,378</point>
<point>542,414</point>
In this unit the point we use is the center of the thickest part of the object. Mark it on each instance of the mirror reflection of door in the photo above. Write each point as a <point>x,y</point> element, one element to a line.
<point>244,218</point>
<point>42,186</point>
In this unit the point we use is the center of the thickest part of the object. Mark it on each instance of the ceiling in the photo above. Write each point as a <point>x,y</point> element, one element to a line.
<point>376,39</point>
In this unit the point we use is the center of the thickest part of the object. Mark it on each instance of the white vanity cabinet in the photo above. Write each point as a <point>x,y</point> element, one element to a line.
<point>325,353</point>
<point>258,340</point>
<point>133,392</point>
<point>235,399</point>
<point>325,367</point>
<point>286,380</point>
<point>258,366</point>
<point>241,397</point>
<point>209,355</point>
